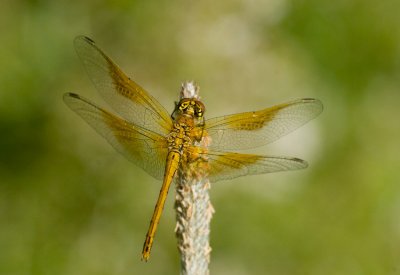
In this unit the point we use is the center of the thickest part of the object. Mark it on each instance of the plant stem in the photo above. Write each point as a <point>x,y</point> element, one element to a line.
<point>193,214</point>
<point>193,207</point>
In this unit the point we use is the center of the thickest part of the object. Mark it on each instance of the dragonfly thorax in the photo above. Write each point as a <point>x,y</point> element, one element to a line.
<point>179,137</point>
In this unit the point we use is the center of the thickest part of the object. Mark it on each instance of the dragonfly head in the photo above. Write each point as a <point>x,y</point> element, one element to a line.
<point>189,104</point>
<point>191,107</point>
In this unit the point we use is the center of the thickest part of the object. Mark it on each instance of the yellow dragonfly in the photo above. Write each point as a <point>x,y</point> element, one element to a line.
<point>143,131</point>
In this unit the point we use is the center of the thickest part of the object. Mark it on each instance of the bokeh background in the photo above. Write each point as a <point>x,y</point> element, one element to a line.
<point>69,204</point>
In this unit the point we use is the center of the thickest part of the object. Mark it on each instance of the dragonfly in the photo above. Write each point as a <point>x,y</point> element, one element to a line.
<point>143,131</point>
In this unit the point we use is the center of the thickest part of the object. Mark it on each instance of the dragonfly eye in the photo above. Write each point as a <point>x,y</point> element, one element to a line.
<point>199,113</point>
<point>199,109</point>
<point>183,105</point>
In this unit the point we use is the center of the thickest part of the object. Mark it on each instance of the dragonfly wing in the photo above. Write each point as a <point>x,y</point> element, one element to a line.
<point>143,147</point>
<point>224,166</point>
<point>124,95</point>
<point>254,129</point>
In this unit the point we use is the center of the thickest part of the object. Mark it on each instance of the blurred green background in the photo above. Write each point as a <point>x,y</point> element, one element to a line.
<point>69,204</point>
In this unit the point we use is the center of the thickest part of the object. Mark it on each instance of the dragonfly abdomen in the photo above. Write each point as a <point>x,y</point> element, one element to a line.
<point>173,160</point>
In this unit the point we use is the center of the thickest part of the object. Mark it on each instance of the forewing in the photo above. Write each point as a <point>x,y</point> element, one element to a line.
<point>143,147</point>
<point>224,166</point>
<point>124,95</point>
<point>254,129</point>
